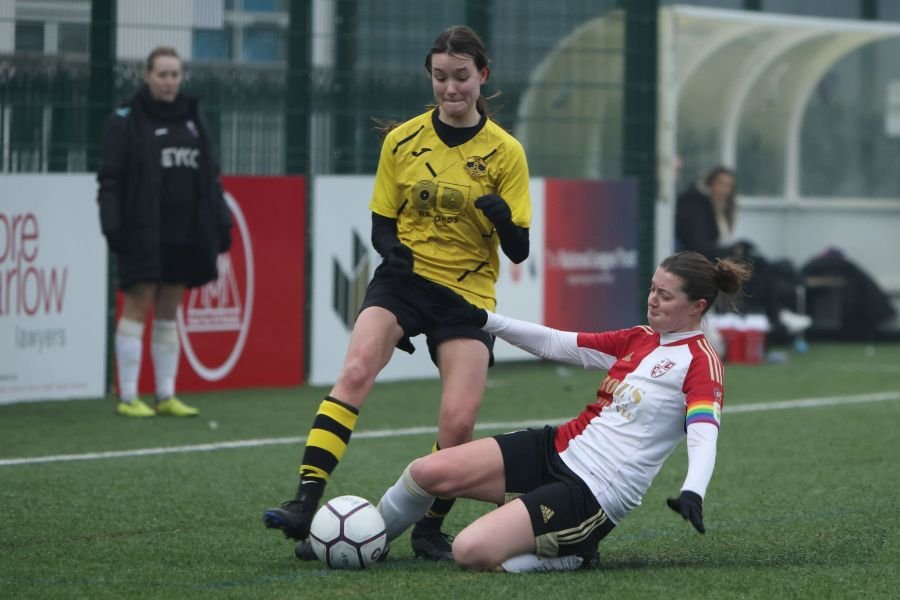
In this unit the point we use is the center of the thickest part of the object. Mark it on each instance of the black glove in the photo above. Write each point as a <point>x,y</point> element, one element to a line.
<point>495,209</point>
<point>457,308</point>
<point>468,313</point>
<point>690,506</point>
<point>224,239</point>
<point>398,262</point>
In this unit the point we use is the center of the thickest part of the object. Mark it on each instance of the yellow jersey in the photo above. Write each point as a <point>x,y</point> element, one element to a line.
<point>431,190</point>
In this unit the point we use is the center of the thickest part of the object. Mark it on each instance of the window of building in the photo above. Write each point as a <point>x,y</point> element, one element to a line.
<point>264,5</point>
<point>29,36</point>
<point>814,8</point>
<point>73,38</point>
<point>263,44</point>
<point>212,44</point>
<point>889,10</point>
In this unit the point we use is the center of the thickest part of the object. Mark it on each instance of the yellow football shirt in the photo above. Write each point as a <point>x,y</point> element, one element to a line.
<point>431,190</point>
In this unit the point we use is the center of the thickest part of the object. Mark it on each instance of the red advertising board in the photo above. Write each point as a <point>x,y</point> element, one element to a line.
<point>590,255</point>
<point>247,329</point>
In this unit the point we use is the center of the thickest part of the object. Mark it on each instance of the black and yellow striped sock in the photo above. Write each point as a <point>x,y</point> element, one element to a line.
<point>434,518</point>
<point>326,444</point>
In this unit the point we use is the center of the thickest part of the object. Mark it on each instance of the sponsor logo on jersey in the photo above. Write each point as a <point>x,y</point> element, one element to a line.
<point>661,368</point>
<point>628,357</point>
<point>475,166</point>
<point>424,195</point>
<point>421,151</point>
<point>192,128</point>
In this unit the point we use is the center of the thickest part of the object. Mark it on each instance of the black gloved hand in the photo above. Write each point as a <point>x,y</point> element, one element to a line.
<point>398,262</point>
<point>495,209</point>
<point>224,239</point>
<point>690,506</point>
<point>457,308</point>
<point>468,313</point>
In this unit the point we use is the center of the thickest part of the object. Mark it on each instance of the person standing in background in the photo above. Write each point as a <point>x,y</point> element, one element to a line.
<point>451,192</point>
<point>705,218</point>
<point>164,217</point>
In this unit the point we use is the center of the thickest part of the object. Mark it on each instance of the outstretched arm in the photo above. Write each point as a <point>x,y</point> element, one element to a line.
<point>701,445</point>
<point>539,340</point>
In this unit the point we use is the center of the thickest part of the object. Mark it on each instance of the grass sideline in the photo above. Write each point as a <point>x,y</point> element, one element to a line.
<point>804,502</point>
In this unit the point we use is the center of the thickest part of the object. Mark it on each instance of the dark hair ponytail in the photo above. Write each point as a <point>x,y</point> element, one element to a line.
<point>704,280</point>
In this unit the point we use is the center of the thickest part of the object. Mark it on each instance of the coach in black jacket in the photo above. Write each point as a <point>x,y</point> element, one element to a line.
<point>164,216</point>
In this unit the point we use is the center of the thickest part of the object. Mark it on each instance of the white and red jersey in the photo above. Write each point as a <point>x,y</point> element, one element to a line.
<point>658,387</point>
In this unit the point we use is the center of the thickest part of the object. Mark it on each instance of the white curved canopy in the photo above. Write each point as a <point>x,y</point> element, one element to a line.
<point>733,85</point>
<point>730,77</point>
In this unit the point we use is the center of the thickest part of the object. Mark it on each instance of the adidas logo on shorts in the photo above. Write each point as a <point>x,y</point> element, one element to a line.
<point>546,513</point>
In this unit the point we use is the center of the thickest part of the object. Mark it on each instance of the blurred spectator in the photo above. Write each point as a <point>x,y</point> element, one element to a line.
<point>705,221</point>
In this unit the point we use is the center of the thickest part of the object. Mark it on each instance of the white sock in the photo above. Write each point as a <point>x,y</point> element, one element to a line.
<point>527,563</point>
<point>165,349</point>
<point>403,504</point>
<point>129,347</point>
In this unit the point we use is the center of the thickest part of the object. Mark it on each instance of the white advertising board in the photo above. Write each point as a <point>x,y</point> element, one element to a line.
<point>52,288</point>
<point>343,261</point>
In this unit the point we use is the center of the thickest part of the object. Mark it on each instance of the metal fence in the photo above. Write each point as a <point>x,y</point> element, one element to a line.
<point>297,86</point>
<point>286,87</point>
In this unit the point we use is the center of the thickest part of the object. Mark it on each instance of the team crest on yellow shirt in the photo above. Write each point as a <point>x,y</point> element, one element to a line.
<point>475,166</point>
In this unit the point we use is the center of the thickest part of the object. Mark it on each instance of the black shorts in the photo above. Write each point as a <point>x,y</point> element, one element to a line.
<point>418,310</point>
<point>177,265</point>
<point>565,516</point>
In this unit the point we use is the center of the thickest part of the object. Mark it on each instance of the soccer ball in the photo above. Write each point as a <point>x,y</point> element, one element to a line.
<point>348,533</point>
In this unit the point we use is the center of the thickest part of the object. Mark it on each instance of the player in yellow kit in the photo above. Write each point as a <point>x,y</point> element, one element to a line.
<point>451,192</point>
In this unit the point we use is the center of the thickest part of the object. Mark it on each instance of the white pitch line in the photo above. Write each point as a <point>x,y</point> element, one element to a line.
<point>382,433</point>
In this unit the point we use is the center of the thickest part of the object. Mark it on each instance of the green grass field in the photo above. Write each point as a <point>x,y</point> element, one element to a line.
<point>804,502</point>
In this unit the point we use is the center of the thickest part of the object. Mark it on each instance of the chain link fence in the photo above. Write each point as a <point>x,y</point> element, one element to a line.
<point>297,87</point>
<point>286,87</point>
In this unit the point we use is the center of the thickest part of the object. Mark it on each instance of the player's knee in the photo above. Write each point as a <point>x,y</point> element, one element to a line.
<point>471,552</point>
<point>428,475</point>
<point>356,374</point>
<point>425,474</point>
<point>456,431</point>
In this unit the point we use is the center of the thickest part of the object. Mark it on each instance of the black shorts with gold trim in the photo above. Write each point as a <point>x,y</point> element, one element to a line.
<point>565,515</point>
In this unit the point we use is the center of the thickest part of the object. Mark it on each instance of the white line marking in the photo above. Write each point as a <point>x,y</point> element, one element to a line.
<point>382,433</point>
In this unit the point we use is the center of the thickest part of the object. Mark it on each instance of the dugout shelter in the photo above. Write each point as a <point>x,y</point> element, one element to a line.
<point>734,88</point>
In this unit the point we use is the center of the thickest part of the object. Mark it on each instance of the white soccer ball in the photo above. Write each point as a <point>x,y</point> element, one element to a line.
<point>348,533</point>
